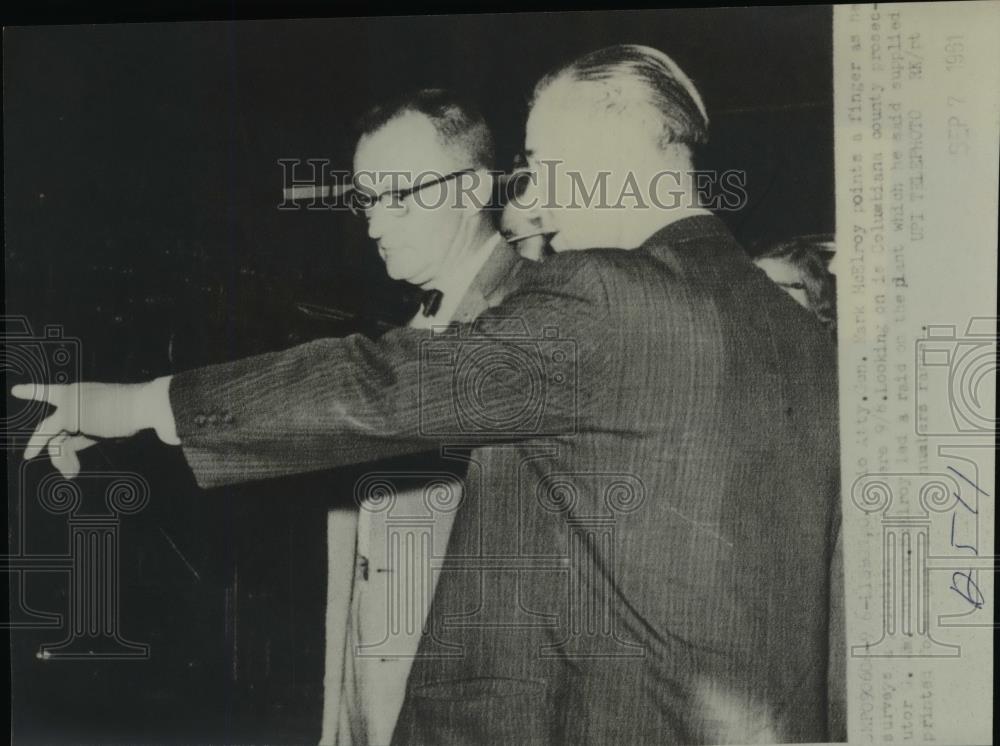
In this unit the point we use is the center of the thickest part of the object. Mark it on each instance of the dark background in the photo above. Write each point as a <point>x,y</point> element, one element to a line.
<point>140,191</point>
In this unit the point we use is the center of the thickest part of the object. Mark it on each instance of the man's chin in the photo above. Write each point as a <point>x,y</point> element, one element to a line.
<point>397,273</point>
<point>558,242</point>
<point>562,242</point>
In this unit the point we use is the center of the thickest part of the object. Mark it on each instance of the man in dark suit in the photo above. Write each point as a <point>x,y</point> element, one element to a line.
<point>642,554</point>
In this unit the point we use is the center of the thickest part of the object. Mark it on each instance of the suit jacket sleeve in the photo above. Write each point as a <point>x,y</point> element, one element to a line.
<point>522,369</point>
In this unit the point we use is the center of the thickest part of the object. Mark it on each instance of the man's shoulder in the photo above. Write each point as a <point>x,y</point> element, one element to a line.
<point>627,280</point>
<point>573,267</point>
<point>581,274</point>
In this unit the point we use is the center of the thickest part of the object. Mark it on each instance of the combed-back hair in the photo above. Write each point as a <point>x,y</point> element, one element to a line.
<point>629,75</point>
<point>458,122</point>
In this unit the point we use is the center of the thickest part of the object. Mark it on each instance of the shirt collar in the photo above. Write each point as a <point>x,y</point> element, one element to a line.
<point>457,282</point>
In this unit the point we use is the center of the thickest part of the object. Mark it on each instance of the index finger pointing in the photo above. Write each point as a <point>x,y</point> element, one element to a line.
<point>51,393</point>
<point>29,391</point>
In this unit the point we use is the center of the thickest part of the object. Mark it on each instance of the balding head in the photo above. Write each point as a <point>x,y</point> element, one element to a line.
<point>610,138</point>
<point>639,82</point>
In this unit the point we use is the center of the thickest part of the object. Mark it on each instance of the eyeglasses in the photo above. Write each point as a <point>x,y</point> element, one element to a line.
<point>361,200</point>
<point>520,178</point>
<point>516,183</point>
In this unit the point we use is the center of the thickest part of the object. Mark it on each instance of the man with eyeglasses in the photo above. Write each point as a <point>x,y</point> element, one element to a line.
<point>422,166</point>
<point>423,174</point>
<point>643,551</point>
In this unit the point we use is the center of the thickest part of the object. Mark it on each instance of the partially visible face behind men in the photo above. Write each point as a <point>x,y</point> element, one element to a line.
<point>414,242</point>
<point>566,127</point>
<point>785,274</point>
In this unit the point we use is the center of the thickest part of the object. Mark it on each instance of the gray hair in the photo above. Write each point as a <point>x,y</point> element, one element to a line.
<point>458,122</point>
<point>625,75</point>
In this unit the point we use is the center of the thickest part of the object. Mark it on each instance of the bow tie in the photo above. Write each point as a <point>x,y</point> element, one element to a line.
<point>430,301</point>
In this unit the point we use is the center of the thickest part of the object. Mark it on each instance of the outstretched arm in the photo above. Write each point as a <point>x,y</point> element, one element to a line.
<point>518,371</point>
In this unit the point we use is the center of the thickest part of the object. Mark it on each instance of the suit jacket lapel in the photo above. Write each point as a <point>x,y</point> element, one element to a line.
<point>491,284</point>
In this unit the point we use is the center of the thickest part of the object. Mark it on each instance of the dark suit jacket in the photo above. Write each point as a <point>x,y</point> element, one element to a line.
<point>643,553</point>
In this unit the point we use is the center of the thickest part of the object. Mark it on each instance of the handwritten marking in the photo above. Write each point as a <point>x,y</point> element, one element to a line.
<point>974,485</point>
<point>970,592</point>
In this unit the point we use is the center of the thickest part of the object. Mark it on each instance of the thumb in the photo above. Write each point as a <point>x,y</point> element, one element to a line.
<point>63,453</point>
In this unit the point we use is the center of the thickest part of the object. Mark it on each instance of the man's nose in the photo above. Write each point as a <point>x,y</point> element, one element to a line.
<point>532,202</point>
<point>376,222</point>
<point>530,192</point>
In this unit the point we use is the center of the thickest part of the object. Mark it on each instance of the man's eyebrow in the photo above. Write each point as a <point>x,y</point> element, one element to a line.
<point>529,153</point>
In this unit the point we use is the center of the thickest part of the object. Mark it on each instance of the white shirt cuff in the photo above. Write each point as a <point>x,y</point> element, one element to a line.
<point>160,413</point>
